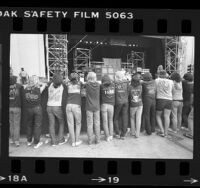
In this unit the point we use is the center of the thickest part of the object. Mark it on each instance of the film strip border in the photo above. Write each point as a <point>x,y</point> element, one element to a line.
<point>153,22</point>
<point>101,171</point>
<point>105,171</point>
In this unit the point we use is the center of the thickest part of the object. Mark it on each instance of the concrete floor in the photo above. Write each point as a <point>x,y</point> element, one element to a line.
<point>151,147</point>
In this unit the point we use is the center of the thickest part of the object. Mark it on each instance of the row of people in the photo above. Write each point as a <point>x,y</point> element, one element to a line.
<point>149,101</point>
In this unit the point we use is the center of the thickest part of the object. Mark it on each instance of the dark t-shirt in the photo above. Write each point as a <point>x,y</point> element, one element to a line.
<point>15,95</point>
<point>108,94</point>
<point>121,92</point>
<point>135,96</point>
<point>31,97</point>
<point>149,89</point>
<point>93,96</point>
<point>187,90</point>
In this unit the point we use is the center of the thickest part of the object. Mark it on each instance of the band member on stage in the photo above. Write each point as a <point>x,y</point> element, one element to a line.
<point>73,109</point>
<point>93,107</point>
<point>57,91</point>
<point>149,103</point>
<point>32,104</point>
<point>188,85</point>
<point>15,110</point>
<point>24,76</point>
<point>107,106</point>
<point>164,89</point>
<point>177,104</point>
<point>136,105</point>
<point>121,104</point>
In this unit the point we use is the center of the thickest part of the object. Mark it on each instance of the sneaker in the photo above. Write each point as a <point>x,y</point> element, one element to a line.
<point>184,128</point>
<point>123,137</point>
<point>38,145</point>
<point>12,142</point>
<point>117,136</point>
<point>17,144</point>
<point>62,142</point>
<point>111,138</point>
<point>97,142</point>
<point>29,143</point>
<point>78,143</point>
<point>47,141</point>
<point>108,139</point>
<point>73,144</point>
<point>47,135</point>
<point>171,130</point>
<point>53,144</point>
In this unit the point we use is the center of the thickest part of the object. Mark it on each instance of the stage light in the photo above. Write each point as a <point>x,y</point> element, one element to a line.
<point>80,40</point>
<point>86,42</point>
<point>97,42</point>
<point>90,42</point>
<point>101,43</point>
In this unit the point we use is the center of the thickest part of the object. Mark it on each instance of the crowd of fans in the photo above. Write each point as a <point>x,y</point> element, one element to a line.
<point>165,102</point>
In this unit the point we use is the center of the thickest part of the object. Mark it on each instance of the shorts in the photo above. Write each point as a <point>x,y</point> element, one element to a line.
<point>162,104</point>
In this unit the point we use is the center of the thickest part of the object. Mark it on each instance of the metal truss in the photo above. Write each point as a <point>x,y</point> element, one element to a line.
<point>57,60</point>
<point>172,60</point>
<point>134,60</point>
<point>82,57</point>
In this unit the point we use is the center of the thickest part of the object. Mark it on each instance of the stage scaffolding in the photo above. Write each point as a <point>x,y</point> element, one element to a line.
<point>56,52</point>
<point>134,60</point>
<point>172,54</point>
<point>82,57</point>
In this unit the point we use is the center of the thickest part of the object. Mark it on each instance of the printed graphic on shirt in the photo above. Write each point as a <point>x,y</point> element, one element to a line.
<point>32,95</point>
<point>13,92</point>
<point>121,88</point>
<point>109,92</point>
<point>135,95</point>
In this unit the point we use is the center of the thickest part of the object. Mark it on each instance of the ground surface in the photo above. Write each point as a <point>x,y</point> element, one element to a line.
<point>152,146</point>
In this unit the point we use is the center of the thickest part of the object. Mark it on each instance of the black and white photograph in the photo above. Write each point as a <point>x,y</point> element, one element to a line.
<point>96,96</point>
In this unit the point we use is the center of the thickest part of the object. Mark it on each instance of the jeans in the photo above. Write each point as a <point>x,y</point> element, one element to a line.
<point>149,115</point>
<point>53,113</point>
<point>107,111</point>
<point>191,122</point>
<point>73,112</point>
<point>136,117</point>
<point>121,109</point>
<point>93,120</point>
<point>185,113</point>
<point>176,114</point>
<point>15,120</point>
<point>34,122</point>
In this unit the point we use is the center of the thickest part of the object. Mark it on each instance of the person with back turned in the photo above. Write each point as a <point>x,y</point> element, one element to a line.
<point>32,104</point>
<point>93,107</point>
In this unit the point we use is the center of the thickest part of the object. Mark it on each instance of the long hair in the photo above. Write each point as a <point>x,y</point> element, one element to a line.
<point>136,80</point>
<point>188,77</point>
<point>175,76</point>
<point>91,77</point>
<point>147,76</point>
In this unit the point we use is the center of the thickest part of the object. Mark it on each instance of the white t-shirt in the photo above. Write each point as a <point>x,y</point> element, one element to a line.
<point>164,88</point>
<point>55,95</point>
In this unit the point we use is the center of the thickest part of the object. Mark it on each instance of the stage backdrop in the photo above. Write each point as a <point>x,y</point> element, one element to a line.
<point>27,51</point>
